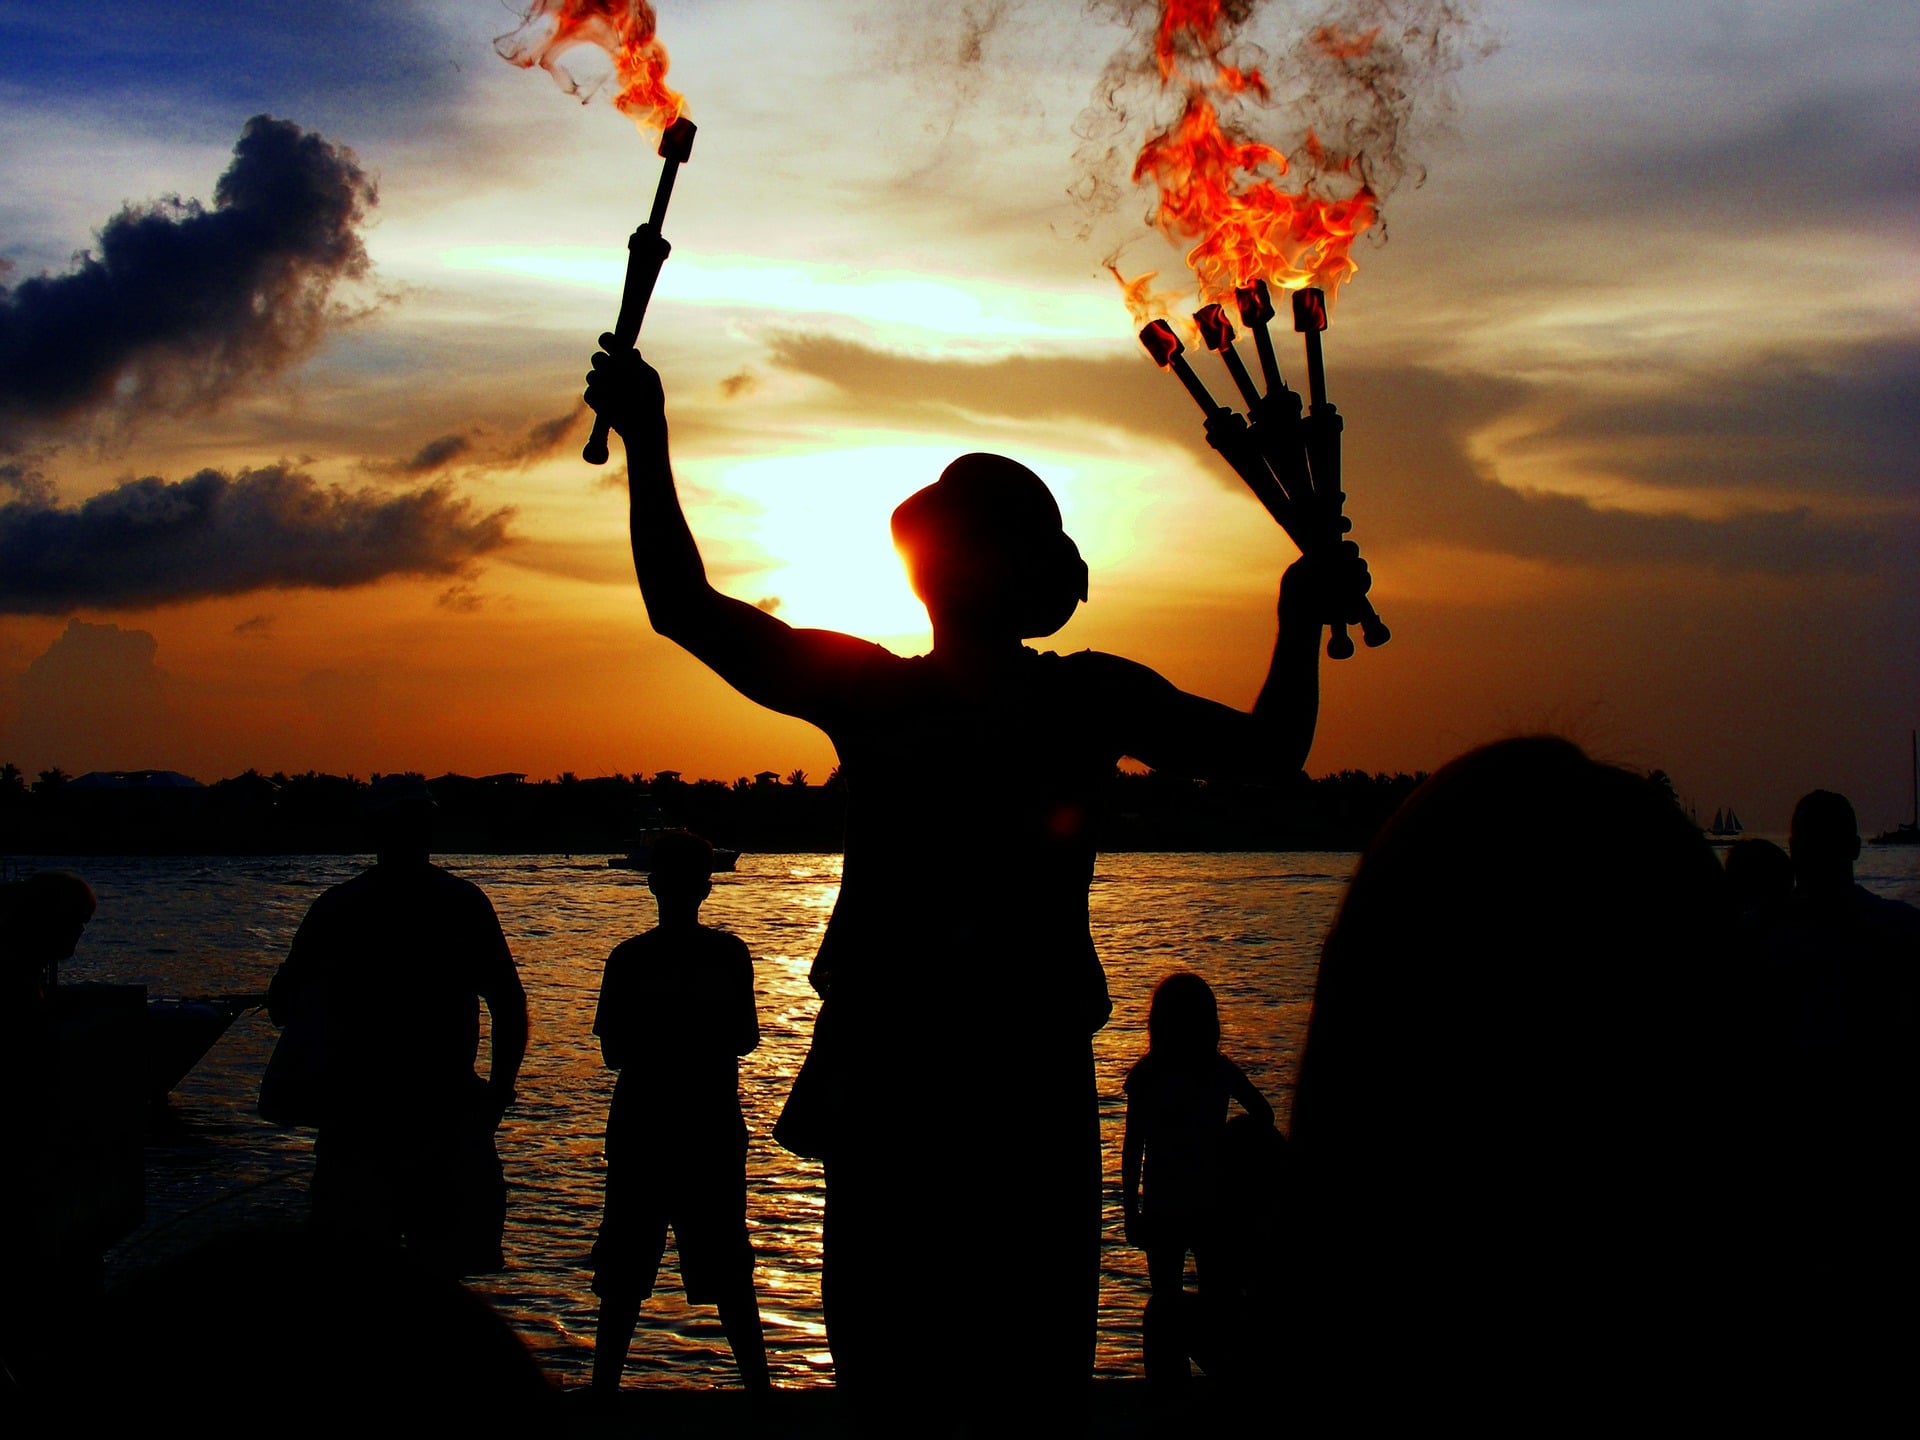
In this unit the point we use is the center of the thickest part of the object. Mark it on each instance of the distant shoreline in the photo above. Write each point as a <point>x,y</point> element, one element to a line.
<point>318,814</point>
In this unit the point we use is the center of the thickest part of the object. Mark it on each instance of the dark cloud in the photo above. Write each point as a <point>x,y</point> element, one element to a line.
<point>1846,423</point>
<point>255,627</point>
<point>180,305</point>
<point>151,541</point>
<point>742,382</point>
<point>23,482</point>
<point>461,599</point>
<point>1409,457</point>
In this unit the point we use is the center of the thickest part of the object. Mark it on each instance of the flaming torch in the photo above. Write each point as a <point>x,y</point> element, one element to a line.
<point>1290,462</point>
<point>1220,190</point>
<point>626,31</point>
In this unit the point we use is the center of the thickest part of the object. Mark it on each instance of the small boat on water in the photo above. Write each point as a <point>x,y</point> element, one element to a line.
<point>179,1033</point>
<point>1726,825</point>
<point>639,854</point>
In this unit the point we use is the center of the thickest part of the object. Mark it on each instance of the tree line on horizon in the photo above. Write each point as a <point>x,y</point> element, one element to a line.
<point>150,812</point>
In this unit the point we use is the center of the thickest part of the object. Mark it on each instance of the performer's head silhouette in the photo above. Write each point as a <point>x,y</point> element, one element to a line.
<point>986,552</point>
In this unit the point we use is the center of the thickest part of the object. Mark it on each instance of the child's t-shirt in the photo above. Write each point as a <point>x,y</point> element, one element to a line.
<point>678,1009</point>
<point>1180,1111</point>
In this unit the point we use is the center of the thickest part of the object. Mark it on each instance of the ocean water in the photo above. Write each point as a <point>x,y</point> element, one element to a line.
<point>1251,923</point>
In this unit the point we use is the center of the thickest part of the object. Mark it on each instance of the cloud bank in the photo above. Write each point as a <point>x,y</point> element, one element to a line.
<point>1410,462</point>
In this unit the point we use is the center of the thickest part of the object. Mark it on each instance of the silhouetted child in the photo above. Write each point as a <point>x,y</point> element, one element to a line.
<point>676,1010</point>
<point>1177,1096</point>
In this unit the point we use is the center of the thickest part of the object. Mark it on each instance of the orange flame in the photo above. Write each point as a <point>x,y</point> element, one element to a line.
<point>1143,302</point>
<point>1218,188</point>
<point>624,29</point>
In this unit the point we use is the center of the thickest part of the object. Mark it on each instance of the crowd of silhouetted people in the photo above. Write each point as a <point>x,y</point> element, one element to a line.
<point>1584,1126</point>
<point>1582,1122</point>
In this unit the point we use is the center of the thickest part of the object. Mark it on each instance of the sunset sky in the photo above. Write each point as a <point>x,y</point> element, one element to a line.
<point>1629,391</point>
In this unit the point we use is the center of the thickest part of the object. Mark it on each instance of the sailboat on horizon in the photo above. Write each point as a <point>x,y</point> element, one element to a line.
<point>1908,832</point>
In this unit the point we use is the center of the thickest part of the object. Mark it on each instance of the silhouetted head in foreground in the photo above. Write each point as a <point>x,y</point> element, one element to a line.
<point>986,551</point>
<point>680,873</point>
<point>1824,841</point>
<point>1524,1093</point>
<point>399,813</point>
<point>1183,1020</point>
<point>41,919</point>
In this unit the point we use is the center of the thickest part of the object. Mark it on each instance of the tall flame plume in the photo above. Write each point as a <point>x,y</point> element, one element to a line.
<point>625,29</point>
<point>1243,208</point>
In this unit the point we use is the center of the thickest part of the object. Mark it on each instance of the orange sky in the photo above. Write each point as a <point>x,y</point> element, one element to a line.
<point>1628,397</point>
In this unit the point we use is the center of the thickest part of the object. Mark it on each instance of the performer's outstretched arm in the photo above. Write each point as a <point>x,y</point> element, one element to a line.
<point>794,671</point>
<point>1190,734</point>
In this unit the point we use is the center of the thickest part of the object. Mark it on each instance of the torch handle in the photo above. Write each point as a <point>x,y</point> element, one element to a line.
<point>1240,446</point>
<point>1277,430</point>
<point>1196,387</point>
<point>1323,426</point>
<point>1260,462</point>
<point>646,253</point>
<point>663,192</point>
<point>1316,371</point>
<point>1269,362</point>
<point>1237,368</point>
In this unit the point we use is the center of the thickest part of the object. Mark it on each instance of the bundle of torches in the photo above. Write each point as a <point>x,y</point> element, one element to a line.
<point>1290,459</point>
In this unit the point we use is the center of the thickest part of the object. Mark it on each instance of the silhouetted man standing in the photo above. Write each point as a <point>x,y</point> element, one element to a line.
<point>1852,972</point>
<point>394,964</point>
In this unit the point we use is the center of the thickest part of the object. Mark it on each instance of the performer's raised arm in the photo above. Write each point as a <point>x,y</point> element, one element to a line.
<point>766,659</point>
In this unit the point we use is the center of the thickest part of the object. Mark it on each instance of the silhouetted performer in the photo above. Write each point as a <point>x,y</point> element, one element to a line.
<point>1529,1106</point>
<point>1177,1098</point>
<point>952,1067</point>
<point>44,1271</point>
<point>395,963</point>
<point>676,1012</point>
<point>1852,989</point>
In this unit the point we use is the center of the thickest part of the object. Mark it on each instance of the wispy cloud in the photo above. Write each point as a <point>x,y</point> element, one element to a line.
<point>434,456</point>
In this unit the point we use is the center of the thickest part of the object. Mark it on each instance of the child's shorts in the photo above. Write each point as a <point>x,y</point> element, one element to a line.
<point>704,1199</point>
